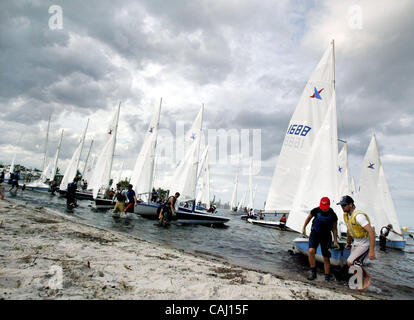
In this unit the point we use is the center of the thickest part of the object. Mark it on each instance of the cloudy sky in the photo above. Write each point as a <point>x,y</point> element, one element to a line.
<point>247,61</point>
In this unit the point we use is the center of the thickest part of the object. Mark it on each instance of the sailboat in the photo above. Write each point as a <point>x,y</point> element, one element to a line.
<point>242,208</point>
<point>48,173</point>
<point>300,136</point>
<point>374,196</point>
<point>184,180</point>
<point>312,137</point>
<point>203,195</point>
<point>185,177</point>
<point>233,204</point>
<point>102,172</point>
<point>241,203</point>
<point>72,169</point>
<point>343,183</point>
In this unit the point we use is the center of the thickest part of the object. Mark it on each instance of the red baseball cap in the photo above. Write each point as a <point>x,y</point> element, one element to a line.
<point>325,203</point>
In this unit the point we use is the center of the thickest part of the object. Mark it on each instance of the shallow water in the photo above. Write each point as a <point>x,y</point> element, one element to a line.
<point>240,243</point>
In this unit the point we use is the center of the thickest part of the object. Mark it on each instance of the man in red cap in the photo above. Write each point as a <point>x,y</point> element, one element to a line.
<point>324,222</point>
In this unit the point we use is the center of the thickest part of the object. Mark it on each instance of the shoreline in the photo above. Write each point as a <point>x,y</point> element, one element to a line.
<point>47,255</point>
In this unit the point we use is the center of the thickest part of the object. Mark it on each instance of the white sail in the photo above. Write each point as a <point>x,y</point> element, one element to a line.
<point>234,195</point>
<point>203,179</point>
<point>254,194</point>
<point>300,135</point>
<point>184,179</point>
<point>102,171</point>
<point>47,172</point>
<point>353,188</point>
<point>203,162</point>
<point>89,169</point>
<point>374,196</point>
<point>116,180</point>
<point>71,169</point>
<point>343,176</point>
<point>86,160</point>
<point>203,195</point>
<point>319,177</point>
<point>251,191</point>
<point>11,169</point>
<point>46,143</point>
<point>143,173</point>
<point>241,203</point>
<point>194,131</point>
<point>56,159</point>
<point>82,143</point>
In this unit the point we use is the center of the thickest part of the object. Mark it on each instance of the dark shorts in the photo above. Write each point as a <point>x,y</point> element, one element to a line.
<point>167,213</point>
<point>321,238</point>
<point>382,242</point>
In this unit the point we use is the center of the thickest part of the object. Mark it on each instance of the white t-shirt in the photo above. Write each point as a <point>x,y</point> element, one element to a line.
<point>384,231</point>
<point>362,221</point>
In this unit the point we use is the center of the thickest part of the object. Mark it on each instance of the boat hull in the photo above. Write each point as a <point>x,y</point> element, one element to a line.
<point>101,204</point>
<point>399,245</point>
<point>80,195</point>
<point>38,189</point>
<point>148,210</point>
<point>198,218</point>
<point>268,224</point>
<point>338,257</point>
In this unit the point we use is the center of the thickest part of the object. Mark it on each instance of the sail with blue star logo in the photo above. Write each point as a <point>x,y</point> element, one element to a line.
<point>300,135</point>
<point>374,196</point>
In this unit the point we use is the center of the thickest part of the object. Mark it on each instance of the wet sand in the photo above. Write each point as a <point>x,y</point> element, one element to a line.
<point>47,255</point>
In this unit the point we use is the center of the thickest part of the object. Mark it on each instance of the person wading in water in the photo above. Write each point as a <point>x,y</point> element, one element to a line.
<point>166,212</point>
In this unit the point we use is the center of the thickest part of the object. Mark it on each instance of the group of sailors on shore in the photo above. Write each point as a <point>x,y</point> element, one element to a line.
<point>360,236</point>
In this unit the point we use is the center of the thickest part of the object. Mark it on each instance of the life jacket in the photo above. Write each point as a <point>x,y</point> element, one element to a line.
<point>355,229</point>
<point>120,196</point>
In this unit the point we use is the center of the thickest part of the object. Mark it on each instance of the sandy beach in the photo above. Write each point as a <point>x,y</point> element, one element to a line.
<point>46,255</point>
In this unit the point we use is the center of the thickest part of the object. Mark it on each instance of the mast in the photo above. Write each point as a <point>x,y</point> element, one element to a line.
<point>113,146</point>
<point>152,170</point>
<point>46,143</point>
<point>82,142</point>
<point>333,63</point>
<point>87,158</point>
<point>198,146</point>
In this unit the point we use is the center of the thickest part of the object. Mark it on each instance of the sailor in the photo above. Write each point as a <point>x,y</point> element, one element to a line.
<point>324,222</point>
<point>169,206</point>
<point>282,222</point>
<point>384,234</point>
<point>11,177</point>
<point>120,197</point>
<point>361,232</point>
<point>15,180</point>
<point>154,195</point>
<point>132,199</point>
<point>71,193</point>
<point>53,187</point>
<point>1,187</point>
